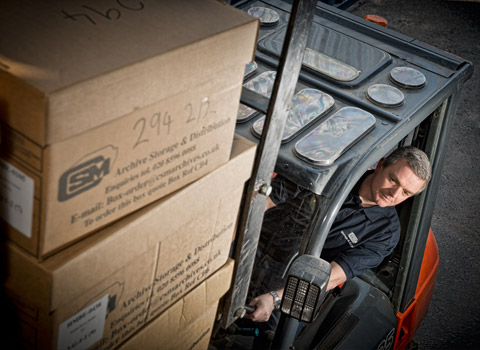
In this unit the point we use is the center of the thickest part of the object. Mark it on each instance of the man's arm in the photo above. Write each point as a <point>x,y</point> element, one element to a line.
<point>337,276</point>
<point>264,304</point>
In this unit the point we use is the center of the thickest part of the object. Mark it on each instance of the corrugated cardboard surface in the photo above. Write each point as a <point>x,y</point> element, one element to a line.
<point>100,119</point>
<point>133,270</point>
<point>188,323</point>
<point>88,63</point>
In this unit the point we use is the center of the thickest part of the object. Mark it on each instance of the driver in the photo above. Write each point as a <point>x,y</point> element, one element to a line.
<point>365,231</point>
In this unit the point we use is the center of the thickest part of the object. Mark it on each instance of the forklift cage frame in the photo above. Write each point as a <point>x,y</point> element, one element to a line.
<point>440,106</point>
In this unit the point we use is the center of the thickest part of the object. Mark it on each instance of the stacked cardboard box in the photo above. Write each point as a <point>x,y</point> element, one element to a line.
<point>103,289</point>
<point>107,107</point>
<point>119,185</point>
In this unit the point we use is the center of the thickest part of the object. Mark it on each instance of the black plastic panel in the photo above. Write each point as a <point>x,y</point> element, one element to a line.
<point>366,58</point>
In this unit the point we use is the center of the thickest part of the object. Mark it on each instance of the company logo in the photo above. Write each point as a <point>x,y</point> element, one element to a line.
<point>351,238</point>
<point>87,174</point>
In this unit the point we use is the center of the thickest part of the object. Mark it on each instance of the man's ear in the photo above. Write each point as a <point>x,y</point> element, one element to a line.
<point>379,165</point>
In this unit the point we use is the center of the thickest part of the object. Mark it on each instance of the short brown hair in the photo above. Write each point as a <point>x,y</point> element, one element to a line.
<point>416,159</point>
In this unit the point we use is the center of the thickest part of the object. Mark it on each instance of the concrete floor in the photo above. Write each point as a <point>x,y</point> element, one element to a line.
<point>453,319</point>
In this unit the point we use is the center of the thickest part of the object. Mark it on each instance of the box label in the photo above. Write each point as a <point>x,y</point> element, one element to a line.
<point>85,328</point>
<point>16,198</point>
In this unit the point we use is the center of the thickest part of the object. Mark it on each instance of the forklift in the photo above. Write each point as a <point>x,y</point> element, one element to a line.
<point>328,95</point>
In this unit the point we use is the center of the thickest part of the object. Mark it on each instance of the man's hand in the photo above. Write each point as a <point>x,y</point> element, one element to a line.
<point>337,276</point>
<point>264,307</point>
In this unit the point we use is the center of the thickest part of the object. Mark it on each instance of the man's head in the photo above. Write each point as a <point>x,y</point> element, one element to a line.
<point>401,175</point>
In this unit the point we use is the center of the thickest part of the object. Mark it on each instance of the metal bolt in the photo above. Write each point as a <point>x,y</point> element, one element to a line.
<point>265,190</point>
<point>240,312</point>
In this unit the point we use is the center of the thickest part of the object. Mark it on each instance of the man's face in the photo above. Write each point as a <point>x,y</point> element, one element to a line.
<point>395,183</point>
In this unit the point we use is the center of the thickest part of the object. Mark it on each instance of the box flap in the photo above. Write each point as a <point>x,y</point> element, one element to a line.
<point>184,314</point>
<point>206,294</point>
<point>219,283</point>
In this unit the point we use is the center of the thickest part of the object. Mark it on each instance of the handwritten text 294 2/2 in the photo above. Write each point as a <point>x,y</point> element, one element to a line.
<point>160,123</point>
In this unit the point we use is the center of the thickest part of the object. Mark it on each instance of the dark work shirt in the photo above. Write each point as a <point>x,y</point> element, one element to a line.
<point>361,237</point>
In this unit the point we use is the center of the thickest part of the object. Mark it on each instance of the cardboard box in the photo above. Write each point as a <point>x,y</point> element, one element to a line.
<point>190,319</point>
<point>98,292</point>
<point>106,107</point>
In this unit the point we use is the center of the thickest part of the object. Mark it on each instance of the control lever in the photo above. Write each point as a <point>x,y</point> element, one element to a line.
<point>243,310</point>
<point>250,309</point>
